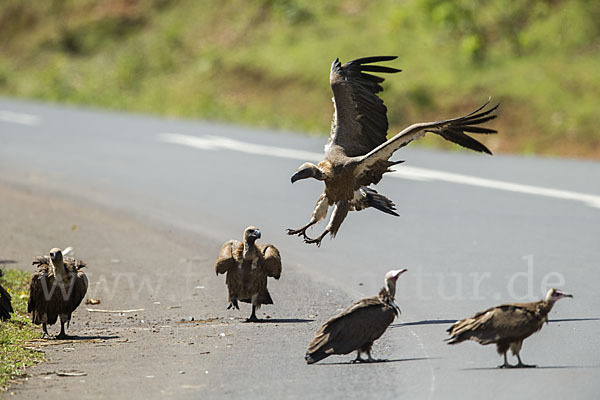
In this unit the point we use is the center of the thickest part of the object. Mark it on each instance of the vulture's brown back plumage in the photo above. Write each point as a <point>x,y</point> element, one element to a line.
<point>355,328</point>
<point>47,299</point>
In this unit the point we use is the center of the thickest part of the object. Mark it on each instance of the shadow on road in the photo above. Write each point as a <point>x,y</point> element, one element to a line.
<point>425,322</point>
<point>538,367</point>
<point>377,362</point>
<point>285,321</point>
<point>574,319</point>
<point>91,337</point>
<point>8,262</point>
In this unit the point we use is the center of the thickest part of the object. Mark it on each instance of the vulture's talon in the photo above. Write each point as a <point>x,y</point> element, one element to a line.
<point>252,319</point>
<point>525,366</point>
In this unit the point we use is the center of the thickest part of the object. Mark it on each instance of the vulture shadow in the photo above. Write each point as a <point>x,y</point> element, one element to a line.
<point>537,367</point>
<point>91,337</point>
<point>377,362</point>
<point>425,322</point>
<point>574,319</point>
<point>8,262</point>
<point>284,321</point>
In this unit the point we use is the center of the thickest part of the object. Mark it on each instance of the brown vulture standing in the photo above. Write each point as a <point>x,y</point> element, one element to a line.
<point>248,265</point>
<point>357,153</point>
<point>5,304</point>
<point>506,325</point>
<point>358,326</point>
<point>57,287</point>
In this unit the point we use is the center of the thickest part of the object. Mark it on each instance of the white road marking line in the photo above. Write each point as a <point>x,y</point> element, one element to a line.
<point>208,142</point>
<point>19,118</point>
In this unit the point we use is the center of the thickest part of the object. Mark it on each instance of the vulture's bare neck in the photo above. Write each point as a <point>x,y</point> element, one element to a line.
<point>250,249</point>
<point>58,269</point>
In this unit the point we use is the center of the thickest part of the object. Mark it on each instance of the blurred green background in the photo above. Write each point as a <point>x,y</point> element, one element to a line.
<point>266,62</point>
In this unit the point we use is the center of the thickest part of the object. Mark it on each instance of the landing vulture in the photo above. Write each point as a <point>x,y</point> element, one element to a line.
<point>357,153</point>
<point>5,304</point>
<point>506,325</point>
<point>57,287</point>
<point>247,266</point>
<point>357,327</point>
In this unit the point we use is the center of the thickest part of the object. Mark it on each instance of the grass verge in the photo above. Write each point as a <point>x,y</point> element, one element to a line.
<point>15,356</point>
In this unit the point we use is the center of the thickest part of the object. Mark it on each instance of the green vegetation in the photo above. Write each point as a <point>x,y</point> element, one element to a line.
<point>14,334</point>
<point>266,62</point>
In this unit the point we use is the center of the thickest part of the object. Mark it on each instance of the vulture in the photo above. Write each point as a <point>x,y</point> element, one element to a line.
<point>247,266</point>
<point>506,325</point>
<point>357,153</point>
<point>56,289</point>
<point>358,326</point>
<point>5,304</point>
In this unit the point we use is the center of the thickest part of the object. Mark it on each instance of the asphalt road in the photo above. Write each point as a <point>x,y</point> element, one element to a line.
<point>474,231</point>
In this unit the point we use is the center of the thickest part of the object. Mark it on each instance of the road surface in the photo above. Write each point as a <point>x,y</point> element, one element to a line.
<point>148,201</point>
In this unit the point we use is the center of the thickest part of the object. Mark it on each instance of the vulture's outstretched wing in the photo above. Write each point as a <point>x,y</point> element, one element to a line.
<point>361,323</point>
<point>226,261</point>
<point>497,323</point>
<point>452,130</point>
<point>359,120</point>
<point>271,260</point>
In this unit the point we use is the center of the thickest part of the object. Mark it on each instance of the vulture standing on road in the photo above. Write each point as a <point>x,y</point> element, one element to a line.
<point>357,153</point>
<point>248,265</point>
<point>56,290</point>
<point>357,327</point>
<point>5,305</point>
<point>506,325</point>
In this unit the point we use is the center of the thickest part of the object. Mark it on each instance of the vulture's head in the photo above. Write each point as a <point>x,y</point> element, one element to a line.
<point>308,170</point>
<point>555,294</point>
<point>56,255</point>
<point>390,280</point>
<point>251,234</point>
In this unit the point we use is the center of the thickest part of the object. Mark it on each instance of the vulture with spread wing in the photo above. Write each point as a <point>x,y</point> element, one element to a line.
<point>5,304</point>
<point>506,325</point>
<point>357,327</point>
<point>56,289</point>
<point>247,266</point>
<point>357,153</point>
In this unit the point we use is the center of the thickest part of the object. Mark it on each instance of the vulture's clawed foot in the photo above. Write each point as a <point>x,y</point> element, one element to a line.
<point>252,319</point>
<point>316,241</point>
<point>45,335</point>
<point>299,232</point>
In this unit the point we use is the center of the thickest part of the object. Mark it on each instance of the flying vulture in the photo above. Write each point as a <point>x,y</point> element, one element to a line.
<point>247,266</point>
<point>5,305</point>
<point>57,287</point>
<point>358,326</point>
<point>357,153</point>
<point>506,325</point>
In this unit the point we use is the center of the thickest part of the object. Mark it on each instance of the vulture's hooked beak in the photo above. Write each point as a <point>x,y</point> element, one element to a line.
<point>53,256</point>
<point>256,234</point>
<point>302,174</point>
<point>567,294</point>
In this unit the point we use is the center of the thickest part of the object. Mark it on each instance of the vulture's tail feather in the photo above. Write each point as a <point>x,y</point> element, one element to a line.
<point>380,202</point>
<point>312,358</point>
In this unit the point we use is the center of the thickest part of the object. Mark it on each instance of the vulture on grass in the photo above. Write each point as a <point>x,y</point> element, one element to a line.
<point>5,304</point>
<point>57,288</point>
<point>506,325</point>
<point>357,327</point>
<point>357,153</point>
<point>247,266</point>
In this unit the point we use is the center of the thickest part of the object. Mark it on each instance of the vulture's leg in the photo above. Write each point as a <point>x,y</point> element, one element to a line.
<point>253,315</point>
<point>358,358</point>
<point>337,217</point>
<point>45,330</point>
<point>521,365</point>
<point>62,334</point>
<point>506,364</point>
<point>319,212</point>
<point>371,359</point>
<point>233,304</point>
